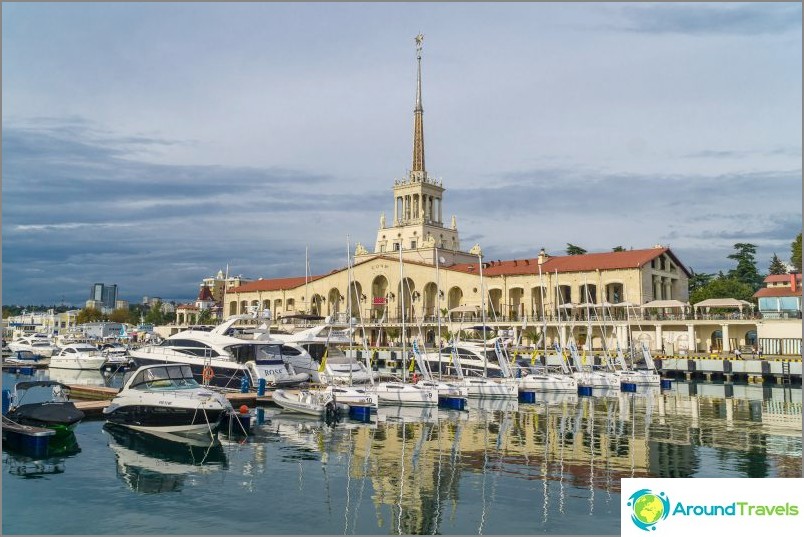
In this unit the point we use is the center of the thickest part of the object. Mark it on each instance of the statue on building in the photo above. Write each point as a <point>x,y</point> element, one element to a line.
<point>429,242</point>
<point>360,249</point>
<point>382,221</point>
<point>454,223</point>
<point>476,250</point>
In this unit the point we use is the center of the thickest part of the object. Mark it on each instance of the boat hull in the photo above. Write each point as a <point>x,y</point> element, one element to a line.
<point>163,419</point>
<point>548,383</point>
<point>58,362</point>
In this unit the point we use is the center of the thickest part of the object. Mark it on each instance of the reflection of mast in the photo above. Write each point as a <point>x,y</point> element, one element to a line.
<point>485,464</point>
<point>364,479</point>
<point>591,427</point>
<point>401,478</point>
<point>546,499</point>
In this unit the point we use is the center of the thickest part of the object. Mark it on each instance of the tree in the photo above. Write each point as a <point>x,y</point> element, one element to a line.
<point>776,266</point>
<point>155,315</point>
<point>795,256</point>
<point>574,250</point>
<point>698,280</point>
<point>121,315</point>
<point>618,249</point>
<point>723,288</point>
<point>88,315</point>
<point>205,317</point>
<point>746,270</point>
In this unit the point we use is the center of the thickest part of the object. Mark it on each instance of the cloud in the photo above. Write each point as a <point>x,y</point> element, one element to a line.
<point>713,19</point>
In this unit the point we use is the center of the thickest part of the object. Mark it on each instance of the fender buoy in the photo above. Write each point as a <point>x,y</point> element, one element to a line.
<point>207,373</point>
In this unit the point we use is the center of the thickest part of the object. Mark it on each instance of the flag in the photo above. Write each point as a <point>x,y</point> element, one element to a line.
<point>583,358</point>
<point>412,366</point>
<point>533,357</point>
<point>323,365</point>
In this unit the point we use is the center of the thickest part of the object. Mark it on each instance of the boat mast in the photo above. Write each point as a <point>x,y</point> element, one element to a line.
<point>544,317</point>
<point>402,303</point>
<point>483,313</point>
<point>438,315</point>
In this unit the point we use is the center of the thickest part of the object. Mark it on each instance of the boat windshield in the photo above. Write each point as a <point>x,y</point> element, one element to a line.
<point>247,352</point>
<point>168,377</point>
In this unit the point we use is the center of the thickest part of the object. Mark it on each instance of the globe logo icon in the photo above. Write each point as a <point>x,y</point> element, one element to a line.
<point>648,508</point>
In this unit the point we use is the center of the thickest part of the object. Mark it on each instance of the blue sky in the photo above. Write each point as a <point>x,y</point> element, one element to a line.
<point>150,145</point>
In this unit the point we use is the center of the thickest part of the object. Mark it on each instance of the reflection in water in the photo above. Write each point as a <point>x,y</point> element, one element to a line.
<point>152,463</point>
<point>53,462</point>
<point>420,465</point>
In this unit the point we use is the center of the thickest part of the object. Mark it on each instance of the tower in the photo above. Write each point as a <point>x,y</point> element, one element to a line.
<point>417,226</point>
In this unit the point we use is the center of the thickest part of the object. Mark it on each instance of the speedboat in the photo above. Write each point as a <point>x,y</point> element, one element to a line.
<point>23,358</point>
<point>37,343</point>
<point>167,399</point>
<point>78,356</point>
<point>57,412</point>
<point>116,354</point>
<point>221,360</point>
<point>319,403</point>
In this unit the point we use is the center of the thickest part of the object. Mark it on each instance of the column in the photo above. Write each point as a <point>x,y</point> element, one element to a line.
<point>659,338</point>
<point>691,337</point>
<point>440,221</point>
<point>725,329</point>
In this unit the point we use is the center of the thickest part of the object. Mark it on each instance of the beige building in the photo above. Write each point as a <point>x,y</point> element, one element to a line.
<point>418,272</point>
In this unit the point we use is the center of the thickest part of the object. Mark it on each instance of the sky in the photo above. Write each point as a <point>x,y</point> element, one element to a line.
<point>152,144</point>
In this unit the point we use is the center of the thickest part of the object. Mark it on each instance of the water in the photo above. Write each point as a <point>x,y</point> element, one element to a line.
<point>552,467</point>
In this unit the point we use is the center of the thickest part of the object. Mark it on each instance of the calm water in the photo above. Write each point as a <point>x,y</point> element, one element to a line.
<point>547,468</point>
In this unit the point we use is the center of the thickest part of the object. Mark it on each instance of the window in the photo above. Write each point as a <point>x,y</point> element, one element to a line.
<point>382,248</point>
<point>412,245</point>
<point>396,247</point>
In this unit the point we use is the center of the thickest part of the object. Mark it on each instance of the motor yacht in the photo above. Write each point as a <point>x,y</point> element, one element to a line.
<point>39,344</point>
<point>78,356</point>
<point>167,399</point>
<point>222,360</point>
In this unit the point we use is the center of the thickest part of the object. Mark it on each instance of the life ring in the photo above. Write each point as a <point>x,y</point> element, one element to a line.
<point>207,373</point>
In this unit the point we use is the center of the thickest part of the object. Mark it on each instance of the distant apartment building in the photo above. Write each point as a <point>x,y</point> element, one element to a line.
<point>121,304</point>
<point>103,295</point>
<point>781,297</point>
<point>220,284</point>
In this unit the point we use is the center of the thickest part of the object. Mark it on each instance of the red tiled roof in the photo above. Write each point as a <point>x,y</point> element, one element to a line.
<point>776,291</point>
<point>572,263</point>
<point>274,284</point>
<point>781,278</point>
<point>205,294</point>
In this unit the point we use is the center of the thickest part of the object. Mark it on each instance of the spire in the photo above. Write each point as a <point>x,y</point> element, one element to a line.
<point>418,125</point>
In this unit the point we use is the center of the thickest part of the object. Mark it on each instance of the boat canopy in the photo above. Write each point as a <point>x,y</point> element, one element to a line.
<point>26,385</point>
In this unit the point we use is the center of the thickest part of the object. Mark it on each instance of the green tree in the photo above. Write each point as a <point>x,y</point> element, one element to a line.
<point>121,315</point>
<point>88,315</point>
<point>155,315</point>
<point>574,250</point>
<point>205,317</point>
<point>618,249</point>
<point>776,266</point>
<point>698,280</point>
<point>723,288</point>
<point>795,256</point>
<point>746,269</point>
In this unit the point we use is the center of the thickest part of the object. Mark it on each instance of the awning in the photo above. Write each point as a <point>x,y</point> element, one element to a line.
<point>662,304</point>
<point>464,309</point>
<point>723,303</point>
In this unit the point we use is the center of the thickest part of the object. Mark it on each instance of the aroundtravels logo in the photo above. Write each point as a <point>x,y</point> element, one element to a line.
<point>648,508</point>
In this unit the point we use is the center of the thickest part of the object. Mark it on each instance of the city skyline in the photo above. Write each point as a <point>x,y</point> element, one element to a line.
<point>151,145</point>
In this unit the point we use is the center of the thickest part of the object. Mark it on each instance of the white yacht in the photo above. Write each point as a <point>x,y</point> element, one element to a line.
<point>78,356</point>
<point>39,344</point>
<point>222,360</point>
<point>308,349</point>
